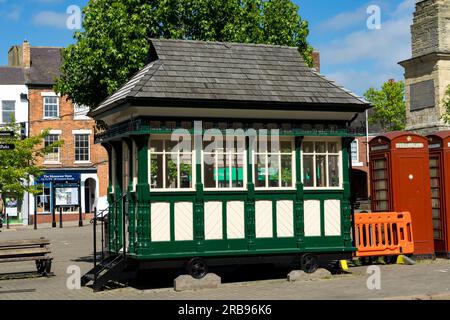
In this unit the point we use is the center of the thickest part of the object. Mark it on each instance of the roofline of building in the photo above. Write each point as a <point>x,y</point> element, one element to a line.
<point>232,104</point>
<point>428,56</point>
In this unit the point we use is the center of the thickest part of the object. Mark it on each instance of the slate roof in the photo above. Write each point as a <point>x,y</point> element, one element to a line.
<point>45,68</point>
<point>45,65</point>
<point>12,76</point>
<point>213,71</point>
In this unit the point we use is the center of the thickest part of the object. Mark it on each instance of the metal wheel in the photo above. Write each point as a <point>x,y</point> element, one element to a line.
<point>309,263</point>
<point>197,268</point>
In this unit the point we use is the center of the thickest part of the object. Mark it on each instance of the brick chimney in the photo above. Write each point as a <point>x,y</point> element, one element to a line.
<point>26,52</point>
<point>316,60</point>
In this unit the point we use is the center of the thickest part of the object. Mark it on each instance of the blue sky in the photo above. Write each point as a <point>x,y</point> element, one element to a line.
<point>352,54</point>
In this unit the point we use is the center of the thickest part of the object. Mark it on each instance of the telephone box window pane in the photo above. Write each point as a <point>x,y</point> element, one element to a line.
<point>308,171</point>
<point>333,171</point>
<point>186,172</point>
<point>436,213</point>
<point>260,171</point>
<point>286,171</point>
<point>381,195</point>
<point>435,183</point>
<point>382,205</point>
<point>435,193</point>
<point>435,203</point>
<point>433,162</point>
<point>209,168</point>
<point>321,171</point>
<point>380,174</point>
<point>380,164</point>
<point>171,172</point>
<point>381,185</point>
<point>274,171</point>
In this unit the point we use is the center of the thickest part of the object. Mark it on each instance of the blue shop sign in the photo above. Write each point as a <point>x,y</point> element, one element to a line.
<point>60,178</point>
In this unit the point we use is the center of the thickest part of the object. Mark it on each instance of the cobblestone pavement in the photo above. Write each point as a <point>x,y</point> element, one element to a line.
<point>72,246</point>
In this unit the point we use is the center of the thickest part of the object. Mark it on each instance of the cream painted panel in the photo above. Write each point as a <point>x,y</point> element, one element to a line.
<point>213,221</point>
<point>312,218</point>
<point>160,222</point>
<point>235,220</point>
<point>264,219</point>
<point>184,221</point>
<point>332,217</point>
<point>285,219</point>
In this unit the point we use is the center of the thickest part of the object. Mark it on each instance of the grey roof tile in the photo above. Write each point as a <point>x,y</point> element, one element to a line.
<point>229,71</point>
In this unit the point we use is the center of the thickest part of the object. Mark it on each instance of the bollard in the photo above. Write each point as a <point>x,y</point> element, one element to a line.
<point>60,217</point>
<point>7,221</point>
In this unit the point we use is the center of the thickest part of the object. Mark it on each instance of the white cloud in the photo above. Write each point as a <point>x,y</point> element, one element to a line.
<point>344,20</point>
<point>14,13</point>
<point>50,19</point>
<point>354,55</point>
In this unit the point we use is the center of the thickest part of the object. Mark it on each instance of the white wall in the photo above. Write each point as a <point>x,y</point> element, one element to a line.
<point>12,92</point>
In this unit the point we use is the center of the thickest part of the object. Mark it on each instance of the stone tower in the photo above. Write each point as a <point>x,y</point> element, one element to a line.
<point>427,74</point>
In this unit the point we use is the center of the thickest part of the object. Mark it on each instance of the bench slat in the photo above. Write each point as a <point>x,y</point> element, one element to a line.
<point>23,252</point>
<point>32,258</point>
<point>19,243</point>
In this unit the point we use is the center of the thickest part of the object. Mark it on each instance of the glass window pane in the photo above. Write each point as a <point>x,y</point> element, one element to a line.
<point>237,170</point>
<point>286,146</point>
<point>186,172</point>
<point>260,171</point>
<point>381,185</point>
<point>382,205</point>
<point>321,147</point>
<point>208,173</point>
<point>223,174</point>
<point>321,171</point>
<point>156,145</point>
<point>171,172</point>
<point>274,171</point>
<point>156,178</point>
<point>333,147</point>
<point>380,174</point>
<point>308,171</point>
<point>433,162</point>
<point>380,164</point>
<point>8,110</point>
<point>308,147</point>
<point>333,171</point>
<point>286,172</point>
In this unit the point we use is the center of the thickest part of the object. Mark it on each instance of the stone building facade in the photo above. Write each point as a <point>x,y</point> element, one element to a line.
<point>427,73</point>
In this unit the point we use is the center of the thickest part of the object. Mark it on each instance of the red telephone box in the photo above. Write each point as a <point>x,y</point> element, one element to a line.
<point>439,144</point>
<point>400,181</point>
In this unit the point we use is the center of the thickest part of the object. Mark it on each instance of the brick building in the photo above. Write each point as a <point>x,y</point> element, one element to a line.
<point>75,174</point>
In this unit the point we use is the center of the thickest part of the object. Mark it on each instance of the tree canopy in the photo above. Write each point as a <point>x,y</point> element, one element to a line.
<point>114,43</point>
<point>389,107</point>
<point>19,165</point>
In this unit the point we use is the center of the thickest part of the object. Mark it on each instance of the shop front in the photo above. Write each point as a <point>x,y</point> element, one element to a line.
<point>67,194</point>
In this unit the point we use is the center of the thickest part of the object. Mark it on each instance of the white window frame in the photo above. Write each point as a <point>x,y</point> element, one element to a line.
<point>278,154</point>
<point>230,155</point>
<point>44,104</point>
<point>165,154</point>
<point>84,133</point>
<point>340,162</point>
<point>58,134</point>
<point>356,163</point>
<point>1,109</point>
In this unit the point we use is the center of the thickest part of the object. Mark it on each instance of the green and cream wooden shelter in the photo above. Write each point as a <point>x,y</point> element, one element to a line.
<point>246,202</point>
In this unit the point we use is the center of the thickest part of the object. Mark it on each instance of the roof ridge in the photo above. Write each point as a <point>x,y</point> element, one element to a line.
<point>225,43</point>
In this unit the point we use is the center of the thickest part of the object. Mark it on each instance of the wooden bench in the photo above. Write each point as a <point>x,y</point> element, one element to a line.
<point>28,250</point>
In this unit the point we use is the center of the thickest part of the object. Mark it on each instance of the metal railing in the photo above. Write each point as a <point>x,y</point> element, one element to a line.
<point>103,231</point>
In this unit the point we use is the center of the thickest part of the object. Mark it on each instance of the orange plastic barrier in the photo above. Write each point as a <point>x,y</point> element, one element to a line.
<point>383,234</point>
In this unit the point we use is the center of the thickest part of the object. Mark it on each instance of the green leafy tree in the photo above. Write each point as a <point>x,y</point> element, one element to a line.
<point>19,165</point>
<point>389,107</point>
<point>446,116</point>
<point>114,43</point>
